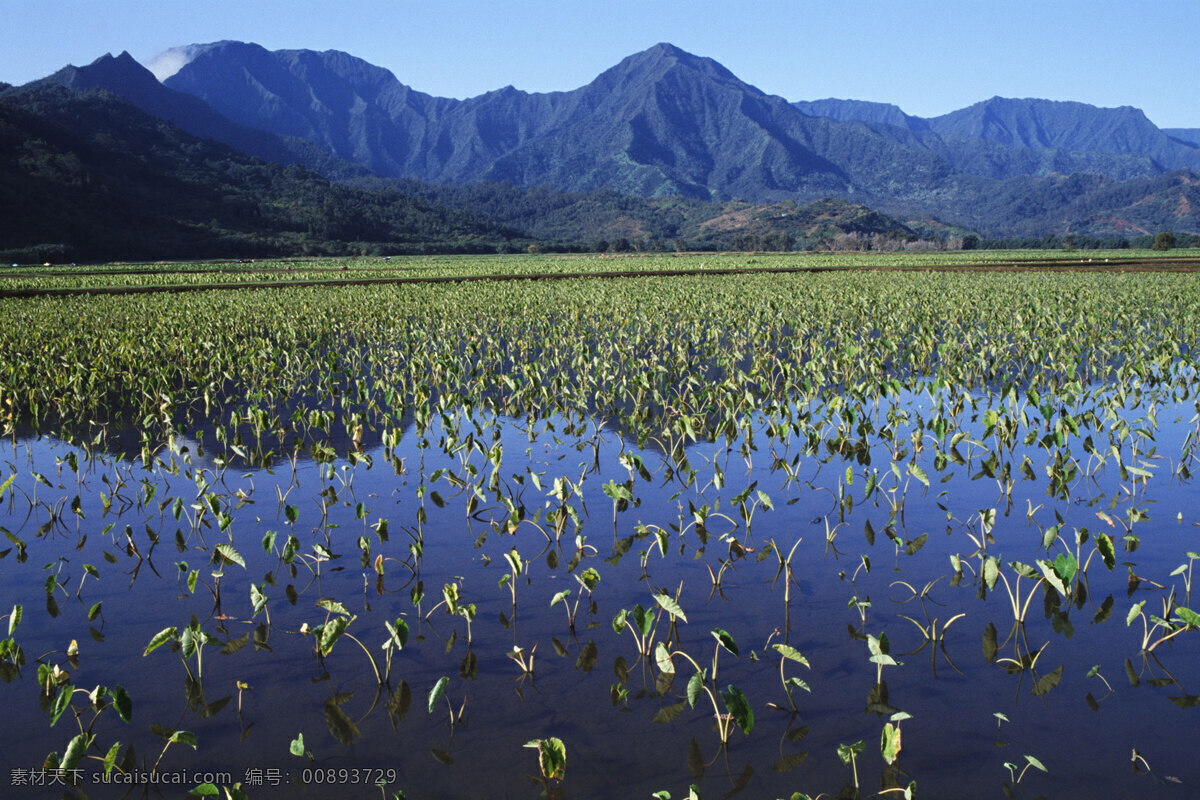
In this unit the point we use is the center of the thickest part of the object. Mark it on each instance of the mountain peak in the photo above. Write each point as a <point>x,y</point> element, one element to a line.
<point>655,63</point>
<point>668,49</point>
<point>667,53</point>
<point>103,73</point>
<point>169,62</point>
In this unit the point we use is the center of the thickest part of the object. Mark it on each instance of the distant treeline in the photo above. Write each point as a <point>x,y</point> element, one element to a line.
<point>1075,242</point>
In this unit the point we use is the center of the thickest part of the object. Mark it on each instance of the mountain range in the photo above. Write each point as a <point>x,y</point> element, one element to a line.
<point>88,176</point>
<point>665,123</point>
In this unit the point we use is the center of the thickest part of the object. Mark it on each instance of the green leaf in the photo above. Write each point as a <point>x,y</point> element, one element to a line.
<point>1022,569</point>
<point>296,747</point>
<point>62,701</point>
<point>1035,763</point>
<point>643,619</point>
<point>1052,577</point>
<point>663,657</point>
<point>738,706</point>
<point>331,632</point>
<point>229,555</point>
<point>398,631</point>
<point>183,737</point>
<point>1188,616</point>
<point>333,606</point>
<point>552,758</point>
<point>694,687</point>
<point>560,597</point>
<point>1066,567</point>
<point>258,600</point>
<point>110,758</point>
<point>14,618</point>
<point>725,640</point>
<point>75,751</point>
<point>589,578</point>
<point>848,752</point>
<point>123,703</point>
<point>991,572</point>
<point>670,606</point>
<point>439,689</point>
<point>1134,613</point>
<point>889,743</point>
<point>790,653</point>
<point>160,638</point>
<point>205,790</point>
<point>918,473</point>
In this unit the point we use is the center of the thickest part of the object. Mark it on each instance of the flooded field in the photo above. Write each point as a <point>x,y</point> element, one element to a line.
<point>857,534</point>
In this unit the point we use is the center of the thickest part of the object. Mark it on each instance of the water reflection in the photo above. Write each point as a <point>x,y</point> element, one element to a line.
<point>870,543</point>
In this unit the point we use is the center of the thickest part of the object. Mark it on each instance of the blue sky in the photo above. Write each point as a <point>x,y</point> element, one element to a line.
<point>928,57</point>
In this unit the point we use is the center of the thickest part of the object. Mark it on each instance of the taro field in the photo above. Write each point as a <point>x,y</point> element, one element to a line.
<point>853,533</point>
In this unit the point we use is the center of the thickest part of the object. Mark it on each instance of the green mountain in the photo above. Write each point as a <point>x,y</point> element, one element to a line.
<point>666,123</point>
<point>609,217</point>
<point>661,122</point>
<point>664,149</point>
<point>124,76</point>
<point>99,179</point>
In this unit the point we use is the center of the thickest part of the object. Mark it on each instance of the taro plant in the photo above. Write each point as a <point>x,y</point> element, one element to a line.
<point>333,628</point>
<point>738,710</point>
<point>1183,619</point>
<point>1015,777</point>
<point>455,607</point>
<point>587,581</point>
<point>890,740</point>
<point>98,699</point>
<point>641,623</point>
<point>552,757</point>
<point>880,649</point>
<point>849,753</point>
<point>788,653</point>
<point>438,693</point>
<point>190,642</point>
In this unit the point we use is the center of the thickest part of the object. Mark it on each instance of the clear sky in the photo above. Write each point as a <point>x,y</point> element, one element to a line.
<point>927,56</point>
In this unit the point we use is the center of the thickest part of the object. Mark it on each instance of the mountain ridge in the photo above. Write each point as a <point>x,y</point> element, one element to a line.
<point>666,123</point>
